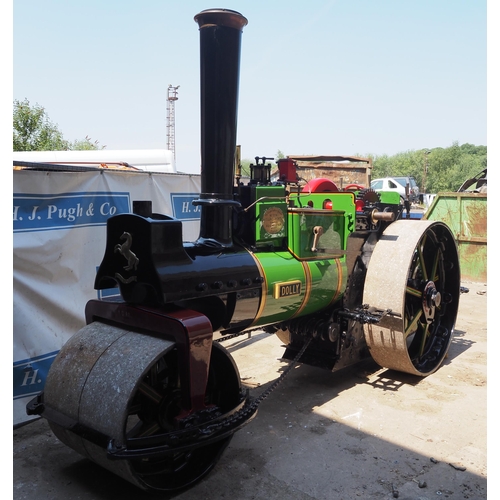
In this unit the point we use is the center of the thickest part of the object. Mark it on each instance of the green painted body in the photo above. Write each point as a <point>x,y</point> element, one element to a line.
<point>311,275</point>
<point>390,197</point>
<point>295,288</point>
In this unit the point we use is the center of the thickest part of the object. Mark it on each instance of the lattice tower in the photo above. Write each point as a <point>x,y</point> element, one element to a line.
<point>171,98</point>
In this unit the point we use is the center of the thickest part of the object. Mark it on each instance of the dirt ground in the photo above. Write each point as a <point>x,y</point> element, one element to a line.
<point>364,433</point>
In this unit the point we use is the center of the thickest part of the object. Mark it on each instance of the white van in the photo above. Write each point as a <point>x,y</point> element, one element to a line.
<point>398,184</point>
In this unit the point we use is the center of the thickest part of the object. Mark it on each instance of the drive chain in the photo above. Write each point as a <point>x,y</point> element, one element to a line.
<point>251,408</point>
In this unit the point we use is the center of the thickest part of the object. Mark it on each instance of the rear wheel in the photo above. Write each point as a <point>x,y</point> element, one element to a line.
<point>414,274</point>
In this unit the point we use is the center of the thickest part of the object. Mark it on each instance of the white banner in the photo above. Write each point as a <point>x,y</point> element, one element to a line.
<point>59,241</point>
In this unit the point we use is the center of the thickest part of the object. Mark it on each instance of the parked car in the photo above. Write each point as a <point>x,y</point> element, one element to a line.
<point>398,184</point>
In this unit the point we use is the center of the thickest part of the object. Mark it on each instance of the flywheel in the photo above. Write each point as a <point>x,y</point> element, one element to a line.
<point>413,280</point>
<point>124,386</point>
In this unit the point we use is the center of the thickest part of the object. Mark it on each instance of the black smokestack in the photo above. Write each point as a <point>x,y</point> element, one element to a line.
<point>220,43</point>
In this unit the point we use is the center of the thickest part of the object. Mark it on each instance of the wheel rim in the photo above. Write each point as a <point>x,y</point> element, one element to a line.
<point>414,272</point>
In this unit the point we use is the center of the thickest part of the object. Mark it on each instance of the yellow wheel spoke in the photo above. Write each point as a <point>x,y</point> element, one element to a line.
<point>434,275</point>
<point>422,261</point>
<point>412,326</point>
<point>425,336</point>
<point>150,393</point>
<point>413,291</point>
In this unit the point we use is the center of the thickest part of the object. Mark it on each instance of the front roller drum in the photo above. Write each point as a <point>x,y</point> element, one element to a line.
<point>122,384</point>
<point>413,280</point>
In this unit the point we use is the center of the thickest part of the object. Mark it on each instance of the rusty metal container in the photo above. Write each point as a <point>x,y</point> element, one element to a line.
<point>342,170</point>
<point>466,215</point>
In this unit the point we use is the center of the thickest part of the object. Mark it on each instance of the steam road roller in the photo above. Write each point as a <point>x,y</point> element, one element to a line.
<point>338,275</point>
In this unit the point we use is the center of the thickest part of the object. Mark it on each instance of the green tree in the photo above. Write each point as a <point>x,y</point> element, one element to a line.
<point>447,168</point>
<point>381,166</point>
<point>34,131</point>
<point>245,167</point>
<point>85,145</point>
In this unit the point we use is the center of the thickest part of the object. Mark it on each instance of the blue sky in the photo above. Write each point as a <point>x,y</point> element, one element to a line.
<point>319,77</point>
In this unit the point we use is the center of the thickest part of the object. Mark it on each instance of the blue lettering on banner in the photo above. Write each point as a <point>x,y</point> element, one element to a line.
<point>183,208</point>
<point>30,374</point>
<point>36,212</point>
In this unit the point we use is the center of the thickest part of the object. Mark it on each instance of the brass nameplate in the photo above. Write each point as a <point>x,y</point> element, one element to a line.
<point>287,289</point>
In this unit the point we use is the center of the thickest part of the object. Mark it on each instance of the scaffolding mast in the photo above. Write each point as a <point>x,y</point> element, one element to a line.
<point>171,98</point>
